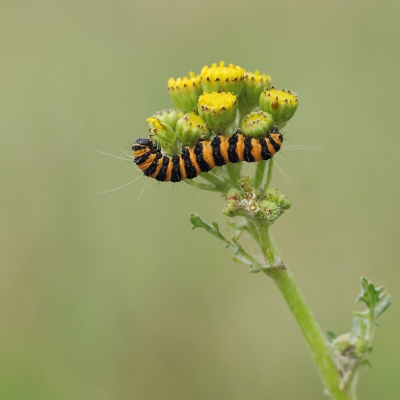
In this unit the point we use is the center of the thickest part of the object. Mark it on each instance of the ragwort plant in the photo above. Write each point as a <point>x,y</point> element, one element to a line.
<point>223,116</point>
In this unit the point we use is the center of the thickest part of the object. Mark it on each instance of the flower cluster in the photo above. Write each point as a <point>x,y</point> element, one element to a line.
<point>220,100</point>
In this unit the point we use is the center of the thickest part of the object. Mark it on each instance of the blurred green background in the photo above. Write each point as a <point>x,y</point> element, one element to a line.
<point>110,296</point>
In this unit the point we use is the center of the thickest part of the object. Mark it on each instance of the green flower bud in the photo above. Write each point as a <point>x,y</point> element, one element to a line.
<point>254,83</point>
<point>185,92</point>
<point>170,117</point>
<point>277,197</point>
<point>190,128</point>
<point>248,187</point>
<point>218,109</point>
<point>257,125</point>
<point>164,135</point>
<point>269,211</point>
<point>222,79</point>
<point>233,206</point>
<point>280,104</point>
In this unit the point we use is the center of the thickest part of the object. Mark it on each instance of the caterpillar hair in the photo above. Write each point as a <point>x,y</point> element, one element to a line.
<point>204,156</point>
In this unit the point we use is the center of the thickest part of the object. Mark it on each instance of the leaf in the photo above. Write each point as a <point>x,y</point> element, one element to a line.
<point>385,303</point>
<point>374,297</point>
<point>370,295</point>
<point>240,255</point>
<point>197,222</point>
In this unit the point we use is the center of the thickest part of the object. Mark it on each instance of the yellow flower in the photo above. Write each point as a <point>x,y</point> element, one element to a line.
<point>222,79</point>
<point>218,109</point>
<point>254,83</point>
<point>280,104</point>
<point>185,92</point>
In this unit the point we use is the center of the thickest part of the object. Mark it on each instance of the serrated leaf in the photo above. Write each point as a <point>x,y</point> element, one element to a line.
<point>370,295</point>
<point>376,300</point>
<point>383,306</point>
<point>197,222</point>
<point>240,255</point>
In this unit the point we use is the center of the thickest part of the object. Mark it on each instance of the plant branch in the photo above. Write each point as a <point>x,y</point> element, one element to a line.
<point>308,325</point>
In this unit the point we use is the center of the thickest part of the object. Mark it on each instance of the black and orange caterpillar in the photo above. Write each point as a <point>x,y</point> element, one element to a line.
<point>204,156</point>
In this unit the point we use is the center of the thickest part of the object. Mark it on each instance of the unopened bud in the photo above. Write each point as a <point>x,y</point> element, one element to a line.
<point>280,104</point>
<point>191,128</point>
<point>257,125</point>
<point>277,197</point>
<point>163,134</point>
<point>169,116</point>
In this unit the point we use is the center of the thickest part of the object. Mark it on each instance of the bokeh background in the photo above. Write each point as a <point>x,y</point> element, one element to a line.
<point>111,296</point>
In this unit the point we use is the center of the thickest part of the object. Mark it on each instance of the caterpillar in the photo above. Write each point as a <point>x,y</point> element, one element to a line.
<point>204,156</point>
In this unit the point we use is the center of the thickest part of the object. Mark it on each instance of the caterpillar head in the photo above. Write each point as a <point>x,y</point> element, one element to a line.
<point>145,142</point>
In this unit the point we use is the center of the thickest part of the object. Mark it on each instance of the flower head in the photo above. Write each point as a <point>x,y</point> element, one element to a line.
<point>170,117</point>
<point>163,134</point>
<point>218,109</point>
<point>254,83</point>
<point>185,92</point>
<point>222,79</point>
<point>280,104</point>
<point>190,128</point>
<point>257,124</point>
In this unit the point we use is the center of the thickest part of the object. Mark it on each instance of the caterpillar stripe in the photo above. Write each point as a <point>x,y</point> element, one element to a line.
<point>204,156</point>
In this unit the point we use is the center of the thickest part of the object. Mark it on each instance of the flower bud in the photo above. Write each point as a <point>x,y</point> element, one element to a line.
<point>185,92</point>
<point>240,203</point>
<point>280,104</point>
<point>190,128</point>
<point>254,83</point>
<point>218,110</point>
<point>277,197</point>
<point>163,134</point>
<point>269,211</point>
<point>170,117</point>
<point>222,79</point>
<point>233,203</point>
<point>257,125</point>
<point>272,205</point>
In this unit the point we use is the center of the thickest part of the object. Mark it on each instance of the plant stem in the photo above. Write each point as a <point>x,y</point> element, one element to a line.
<point>304,318</point>
<point>260,169</point>
<point>269,175</point>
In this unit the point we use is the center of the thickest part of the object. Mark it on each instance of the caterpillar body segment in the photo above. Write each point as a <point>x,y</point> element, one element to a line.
<point>204,156</point>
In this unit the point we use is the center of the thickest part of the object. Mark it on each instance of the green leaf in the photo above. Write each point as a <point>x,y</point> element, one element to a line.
<point>383,306</point>
<point>197,222</point>
<point>370,295</point>
<point>240,255</point>
<point>375,299</point>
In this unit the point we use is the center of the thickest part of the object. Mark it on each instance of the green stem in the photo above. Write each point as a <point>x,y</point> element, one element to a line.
<point>304,318</point>
<point>268,246</point>
<point>269,176</point>
<point>232,174</point>
<point>260,169</point>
